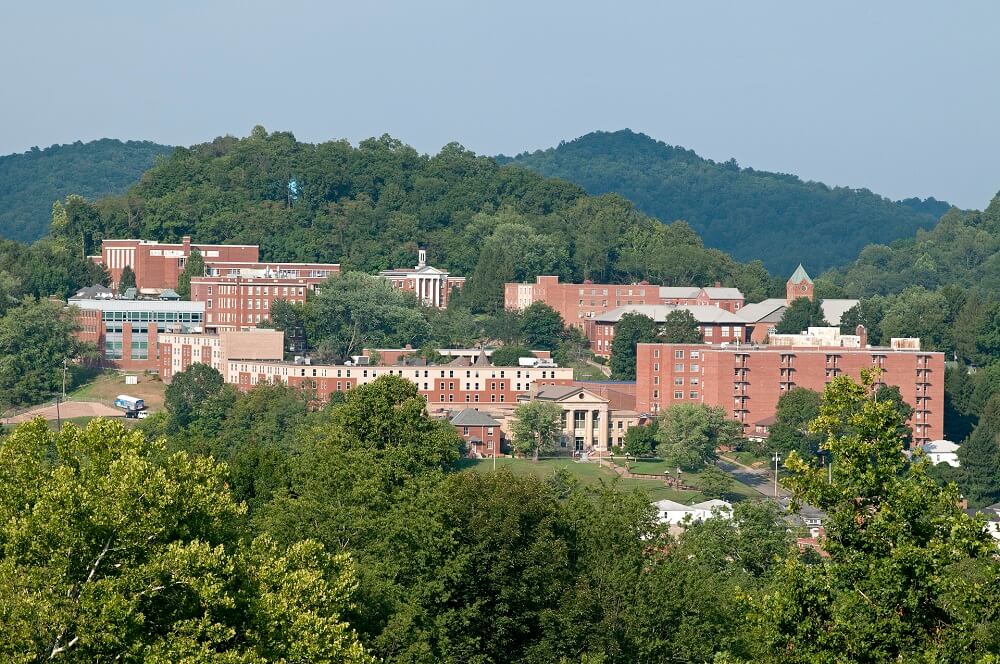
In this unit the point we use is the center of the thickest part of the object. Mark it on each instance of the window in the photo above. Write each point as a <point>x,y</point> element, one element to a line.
<point>693,395</point>
<point>465,431</point>
<point>709,331</point>
<point>694,355</point>
<point>656,352</point>
<point>678,395</point>
<point>656,380</point>
<point>678,367</point>
<point>694,368</point>
<point>656,366</point>
<point>679,354</point>
<point>679,380</point>
<point>725,330</point>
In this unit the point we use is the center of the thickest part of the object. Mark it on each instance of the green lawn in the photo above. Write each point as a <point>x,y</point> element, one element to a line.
<point>658,466</point>
<point>584,371</point>
<point>587,473</point>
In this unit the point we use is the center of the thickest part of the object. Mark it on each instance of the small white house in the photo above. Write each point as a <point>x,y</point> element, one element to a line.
<point>942,451</point>
<point>667,511</point>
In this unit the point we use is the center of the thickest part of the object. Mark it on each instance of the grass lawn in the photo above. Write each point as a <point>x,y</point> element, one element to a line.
<point>109,384</point>
<point>749,459</point>
<point>658,466</point>
<point>584,371</point>
<point>587,473</point>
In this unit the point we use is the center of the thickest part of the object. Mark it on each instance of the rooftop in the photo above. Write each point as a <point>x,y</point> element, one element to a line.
<point>137,305</point>
<point>800,275</point>
<point>470,417</point>
<point>659,312</point>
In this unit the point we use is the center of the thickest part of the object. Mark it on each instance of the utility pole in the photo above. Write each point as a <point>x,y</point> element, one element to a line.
<point>777,458</point>
<point>64,379</point>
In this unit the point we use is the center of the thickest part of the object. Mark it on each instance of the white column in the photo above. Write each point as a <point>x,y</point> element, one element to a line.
<point>437,292</point>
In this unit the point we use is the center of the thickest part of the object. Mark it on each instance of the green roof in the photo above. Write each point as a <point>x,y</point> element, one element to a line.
<point>800,275</point>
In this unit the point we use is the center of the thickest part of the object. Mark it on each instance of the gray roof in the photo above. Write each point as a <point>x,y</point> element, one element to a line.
<point>169,294</point>
<point>658,312</point>
<point>723,293</point>
<point>91,292</point>
<point>470,417</point>
<point>833,310</point>
<point>557,392</point>
<point>758,311</point>
<point>139,305</point>
<point>687,292</point>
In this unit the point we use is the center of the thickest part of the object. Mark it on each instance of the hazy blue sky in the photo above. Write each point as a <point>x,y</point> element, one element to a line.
<point>900,97</point>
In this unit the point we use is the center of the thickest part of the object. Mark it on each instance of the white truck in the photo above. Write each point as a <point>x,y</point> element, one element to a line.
<point>538,362</point>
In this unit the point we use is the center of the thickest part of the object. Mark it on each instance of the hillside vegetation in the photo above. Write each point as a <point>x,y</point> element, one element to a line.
<point>31,182</point>
<point>962,250</point>
<point>369,207</point>
<point>750,214</point>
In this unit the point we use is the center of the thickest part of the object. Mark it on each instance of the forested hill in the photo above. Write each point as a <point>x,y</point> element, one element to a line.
<point>750,214</point>
<point>31,182</point>
<point>963,249</point>
<point>370,207</point>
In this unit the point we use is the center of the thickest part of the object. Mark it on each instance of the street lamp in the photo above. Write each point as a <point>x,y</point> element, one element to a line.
<point>777,458</point>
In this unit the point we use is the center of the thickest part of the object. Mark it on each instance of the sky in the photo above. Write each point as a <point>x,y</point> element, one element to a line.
<point>901,97</point>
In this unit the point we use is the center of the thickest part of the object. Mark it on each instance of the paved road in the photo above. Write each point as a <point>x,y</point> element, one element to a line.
<point>757,479</point>
<point>67,409</point>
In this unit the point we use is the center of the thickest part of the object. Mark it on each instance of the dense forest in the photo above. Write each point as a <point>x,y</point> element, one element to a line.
<point>31,182</point>
<point>750,214</point>
<point>963,250</point>
<point>369,207</point>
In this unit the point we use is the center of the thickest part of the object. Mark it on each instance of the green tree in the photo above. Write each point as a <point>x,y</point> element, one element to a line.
<point>630,330</point>
<point>802,313</point>
<point>688,434</point>
<point>797,408</point>
<point>113,551</point>
<point>541,327</point>
<point>35,340</point>
<point>868,312</point>
<point>714,483</point>
<point>191,393</point>
<point>507,356</point>
<point>901,577</point>
<point>194,267</point>
<point>979,456</point>
<point>680,327</point>
<point>354,311</point>
<point>537,427</point>
<point>10,291</point>
<point>127,280</point>
<point>640,440</point>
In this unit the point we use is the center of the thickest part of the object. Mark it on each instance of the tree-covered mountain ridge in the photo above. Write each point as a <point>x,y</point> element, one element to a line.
<point>751,214</point>
<point>370,206</point>
<point>30,182</point>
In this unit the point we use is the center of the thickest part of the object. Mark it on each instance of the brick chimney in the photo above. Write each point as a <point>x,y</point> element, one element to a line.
<point>863,333</point>
<point>718,284</point>
<point>186,242</point>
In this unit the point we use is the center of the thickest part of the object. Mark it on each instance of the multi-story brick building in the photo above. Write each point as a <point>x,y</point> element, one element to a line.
<point>431,285</point>
<point>577,303</point>
<point>158,265</point>
<point>243,302</point>
<point>717,325</point>
<point>747,381</point>
<point>443,386</point>
<point>126,332</point>
<point>178,351</point>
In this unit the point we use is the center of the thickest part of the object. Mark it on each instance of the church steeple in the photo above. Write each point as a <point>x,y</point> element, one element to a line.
<point>798,285</point>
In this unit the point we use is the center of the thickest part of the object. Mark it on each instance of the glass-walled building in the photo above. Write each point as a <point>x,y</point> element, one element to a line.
<point>125,331</point>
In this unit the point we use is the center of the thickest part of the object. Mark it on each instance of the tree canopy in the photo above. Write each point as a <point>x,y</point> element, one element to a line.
<point>748,213</point>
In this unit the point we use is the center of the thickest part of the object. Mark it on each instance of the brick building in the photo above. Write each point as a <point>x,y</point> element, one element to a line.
<point>126,332</point>
<point>444,386</point>
<point>577,303</point>
<point>717,325</point>
<point>747,381</point>
<point>178,351</point>
<point>157,265</point>
<point>236,302</point>
<point>431,285</point>
<point>481,433</point>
